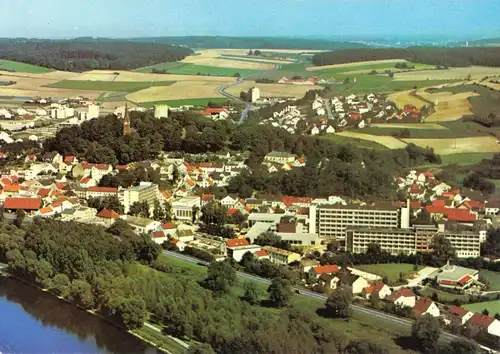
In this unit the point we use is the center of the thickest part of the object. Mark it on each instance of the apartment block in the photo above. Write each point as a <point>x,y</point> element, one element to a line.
<point>145,191</point>
<point>183,208</point>
<point>331,221</point>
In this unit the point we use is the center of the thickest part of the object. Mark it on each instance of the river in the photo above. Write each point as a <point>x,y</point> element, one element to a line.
<point>32,321</point>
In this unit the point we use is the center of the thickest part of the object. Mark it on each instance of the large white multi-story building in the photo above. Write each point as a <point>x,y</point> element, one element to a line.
<point>183,208</point>
<point>145,191</point>
<point>254,94</point>
<point>161,111</point>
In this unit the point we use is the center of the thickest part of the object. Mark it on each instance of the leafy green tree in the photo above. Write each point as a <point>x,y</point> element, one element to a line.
<point>167,207</point>
<point>463,346</point>
<point>363,346</point>
<point>280,292</point>
<point>16,261</point>
<point>20,215</point>
<point>375,300</point>
<point>486,312</point>
<point>252,294</point>
<point>43,273</point>
<point>132,312</point>
<point>200,348</point>
<point>426,332</point>
<point>442,250</point>
<point>2,211</point>
<point>61,285</point>
<point>81,294</point>
<point>213,213</point>
<point>140,209</point>
<point>221,276</point>
<point>158,211</point>
<point>339,302</point>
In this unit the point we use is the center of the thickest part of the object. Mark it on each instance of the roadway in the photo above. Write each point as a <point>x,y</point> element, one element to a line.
<point>356,308</point>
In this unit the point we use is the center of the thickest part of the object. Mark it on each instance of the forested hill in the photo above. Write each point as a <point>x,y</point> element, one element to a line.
<point>252,42</point>
<point>82,55</point>
<point>487,56</point>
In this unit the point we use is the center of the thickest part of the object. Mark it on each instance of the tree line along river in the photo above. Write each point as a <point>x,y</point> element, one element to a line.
<point>32,321</point>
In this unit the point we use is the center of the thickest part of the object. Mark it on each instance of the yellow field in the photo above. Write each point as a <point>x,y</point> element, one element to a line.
<point>107,75</point>
<point>273,90</point>
<point>389,141</point>
<point>34,85</point>
<point>368,62</point>
<point>177,91</point>
<point>453,146</point>
<point>449,106</point>
<point>475,72</point>
<point>409,125</point>
<point>403,98</point>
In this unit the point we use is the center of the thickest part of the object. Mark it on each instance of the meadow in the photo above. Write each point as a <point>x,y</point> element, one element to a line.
<point>178,91</point>
<point>493,278</point>
<point>22,67</point>
<point>493,307</point>
<point>197,102</point>
<point>340,139</point>
<point>123,86</point>
<point>194,69</point>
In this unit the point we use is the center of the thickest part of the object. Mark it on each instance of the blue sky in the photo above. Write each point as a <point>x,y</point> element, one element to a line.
<point>351,18</point>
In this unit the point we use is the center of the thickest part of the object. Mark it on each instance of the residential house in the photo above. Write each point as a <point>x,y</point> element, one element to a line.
<point>482,323</point>
<point>100,192</point>
<point>169,229</point>
<point>229,201</point>
<point>109,216</point>
<point>20,203</point>
<point>280,256</point>
<point>425,306</point>
<point>179,244</point>
<point>141,225</point>
<point>325,269</point>
<point>184,208</point>
<point>378,288</point>
<point>159,237</point>
<point>403,297</point>
<point>307,264</point>
<point>457,316</point>
<point>280,157</point>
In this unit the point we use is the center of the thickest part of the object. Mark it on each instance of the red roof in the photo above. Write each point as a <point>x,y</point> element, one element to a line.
<point>354,115</point>
<point>32,156</point>
<point>158,234</point>
<point>11,188</point>
<point>5,181</point>
<point>44,192</point>
<point>231,211</point>
<point>481,320</point>
<point>168,226</point>
<point>261,253</point>
<point>422,305</point>
<point>87,165</point>
<point>448,282</point>
<point>464,279</point>
<point>85,179</point>
<point>428,174</point>
<point>121,167</point>
<point>103,189</point>
<point>458,311</point>
<point>460,215</point>
<point>210,111</point>
<point>235,242</point>
<point>374,288</point>
<point>69,158</point>
<point>102,166</point>
<point>289,200</point>
<point>206,197</point>
<point>326,269</point>
<point>22,203</point>
<point>108,214</point>
<point>403,292</point>
<point>60,185</point>
<point>415,205</point>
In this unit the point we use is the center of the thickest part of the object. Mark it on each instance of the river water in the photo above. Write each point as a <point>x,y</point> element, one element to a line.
<point>32,321</point>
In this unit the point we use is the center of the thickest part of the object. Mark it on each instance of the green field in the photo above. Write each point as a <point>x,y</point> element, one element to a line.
<point>377,329</point>
<point>493,278</point>
<point>492,306</point>
<point>444,296</point>
<point>22,67</point>
<point>112,97</point>
<point>123,86</point>
<point>380,67</point>
<point>389,270</point>
<point>201,102</point>
<point>160,340</point>
<point>236,58</point>
<point>193,69</point>
<point>161,66</point>
<point>466,158</point>
<point>339,139</point>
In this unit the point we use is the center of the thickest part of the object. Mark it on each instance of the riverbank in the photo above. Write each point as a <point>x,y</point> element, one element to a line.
<point>160,342</point>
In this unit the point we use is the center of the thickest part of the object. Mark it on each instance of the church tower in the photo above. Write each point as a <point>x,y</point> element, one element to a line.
<point>126,122</point>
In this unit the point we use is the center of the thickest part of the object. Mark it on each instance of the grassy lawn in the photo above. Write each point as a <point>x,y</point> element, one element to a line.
<point>22,67</point>
<point>377,329</point>
<point>161,66</point>
<point>160,340</point>
<point>236,58</point>
<point>466,158</point>
<point>380,67</point>
<point>390,270</point>
<point>112,97</point>
<point>492,277</point>
<point>193,69</point>
<point>339,139</point>
<point>492,306</point>
<point>201,102</point>
<point>425,133</point>
<point>123,86</point>
<point>444,296</point>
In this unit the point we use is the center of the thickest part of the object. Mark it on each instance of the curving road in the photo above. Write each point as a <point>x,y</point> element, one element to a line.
<point>381,315</point>
<point>248,105</point>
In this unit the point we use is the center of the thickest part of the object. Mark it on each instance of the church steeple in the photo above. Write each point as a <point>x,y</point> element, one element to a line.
<point>126,122</point>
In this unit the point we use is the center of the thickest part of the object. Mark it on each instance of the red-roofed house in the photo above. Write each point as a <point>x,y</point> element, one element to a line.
<point>425,306</point>
<point>402,297</point>
<point>108,214</point>
<point>460,215</point>
<point>98,192</point>
<point>87,182</point>
<point>326,269</point>
<point>262,254</point>
<point>481,323</point>
<point>236,242</point>
<point>221,113</point>
<point>169,229</point>
<point>380,288</point>
<point>26,204</point>
<point>299,201</point>
<point>122,167</point>
<point>237,248</point>
<point>70,160</point>
<point>457,316</point>
<point>11,189</point>
<point>207,198</point>
<point>159,237</point>
<point>30,158</point>
<point>46,212</point>
<point>179,244</point>
<point>44,192</point>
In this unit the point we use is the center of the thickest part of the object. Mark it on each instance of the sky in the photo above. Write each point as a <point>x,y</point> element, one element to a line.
<point>353,19</point>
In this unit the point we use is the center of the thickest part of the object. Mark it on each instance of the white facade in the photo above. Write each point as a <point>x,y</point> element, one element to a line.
<point>183,208</point>
<point>254,94</point>
<point>161,111</point>
<point>93,111</point>
<point>238,252</point>
<point>358,285</point>
<point>408,301</point>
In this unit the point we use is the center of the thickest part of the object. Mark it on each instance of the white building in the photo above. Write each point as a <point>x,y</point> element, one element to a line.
<point>161,111</point>
<point>183,208</point>
<point>93,111</point>
<point>254,94</point>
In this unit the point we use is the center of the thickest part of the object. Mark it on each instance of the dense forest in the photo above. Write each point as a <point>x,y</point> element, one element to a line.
<point>438,56</point>
<point>330,169</point>
<point>251,42</point>
<point>82,55</point>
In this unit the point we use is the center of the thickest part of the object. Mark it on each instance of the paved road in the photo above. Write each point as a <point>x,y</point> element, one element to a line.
<point>381,315</point>
<point>177,340</point>
<point>248,105</point>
